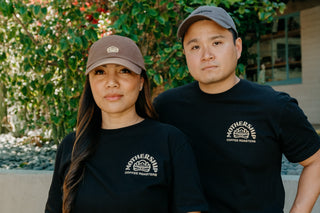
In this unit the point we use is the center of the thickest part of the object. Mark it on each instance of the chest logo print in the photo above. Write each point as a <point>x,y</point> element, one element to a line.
<point>241,131</point>
<point>143,165</point>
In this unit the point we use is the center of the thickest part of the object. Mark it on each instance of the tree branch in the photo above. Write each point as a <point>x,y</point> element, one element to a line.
<point>25,29</point>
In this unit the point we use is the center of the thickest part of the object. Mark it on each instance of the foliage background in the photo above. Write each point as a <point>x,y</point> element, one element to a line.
<point>44,44</point>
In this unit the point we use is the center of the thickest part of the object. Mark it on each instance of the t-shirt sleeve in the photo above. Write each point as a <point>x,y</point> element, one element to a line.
<point>187,191</point>
<point>299,139</point>
<point>54,201</point>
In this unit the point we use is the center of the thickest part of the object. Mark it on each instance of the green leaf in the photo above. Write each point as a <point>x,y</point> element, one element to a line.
<point>85,43</point>
<point>241,10</point>
<point>170,5</point>
<point>3,56</point>
<point>94,36</point>
<point>42,31</point>
<point>41,52</point>
<point>87,34</point>
<point>24,90</point>
<point>141,18</point>
<point>36,10</point>
<point>63,45</point>
<point>179,54</point>
<point>152,12</point>
<point>167,50</point>
<point>47,76</point>
<point>78,42</point>
<point>73,63</point>
<point>61,64</point>
<point>10,10</point>
<point>177,46</point>
<point>55,119</point>
<point>161,20</point>
<point>282,7</point>
<point>188,9</point>
<point>172,60</point>
<point>148,60</point>
<point>31,61</point>
<point>136,9</point>
<point>44,10</point>
<point>3,5</point>
<point>126,29</point>
<point>158,79</point>
<point>48,91</point>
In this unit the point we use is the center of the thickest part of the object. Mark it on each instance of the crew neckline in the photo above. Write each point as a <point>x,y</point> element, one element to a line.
<point>222,94</point>
<point>115,131</point>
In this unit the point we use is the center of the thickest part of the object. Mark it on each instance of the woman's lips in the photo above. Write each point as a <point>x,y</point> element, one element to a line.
<point>113,97</point>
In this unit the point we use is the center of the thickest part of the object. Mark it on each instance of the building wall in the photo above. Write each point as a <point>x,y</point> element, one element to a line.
<point>308,93</point>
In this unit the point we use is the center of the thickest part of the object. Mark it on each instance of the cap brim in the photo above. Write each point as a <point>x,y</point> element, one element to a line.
<point>194,18</point>
<point>131,66</point>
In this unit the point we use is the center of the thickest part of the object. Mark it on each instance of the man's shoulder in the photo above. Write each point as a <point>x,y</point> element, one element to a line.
<point>176,93</point>
<point>264,92</point>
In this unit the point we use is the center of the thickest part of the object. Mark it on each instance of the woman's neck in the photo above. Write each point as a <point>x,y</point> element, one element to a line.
<point>116,121</point>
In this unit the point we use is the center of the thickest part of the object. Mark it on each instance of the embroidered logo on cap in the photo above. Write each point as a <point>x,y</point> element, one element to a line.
<point>112,49</point>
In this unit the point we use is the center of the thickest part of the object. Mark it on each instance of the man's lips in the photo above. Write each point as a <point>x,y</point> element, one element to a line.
<point>209,67</point>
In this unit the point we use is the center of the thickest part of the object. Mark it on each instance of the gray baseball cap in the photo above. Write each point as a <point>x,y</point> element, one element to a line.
<point>216,14</point>
<point>115,49</point>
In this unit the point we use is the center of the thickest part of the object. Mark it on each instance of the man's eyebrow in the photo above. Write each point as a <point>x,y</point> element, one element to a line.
<point>195,40</point>
<point>192,41</point>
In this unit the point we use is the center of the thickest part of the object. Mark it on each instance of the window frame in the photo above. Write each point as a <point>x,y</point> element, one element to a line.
<point>288,80</point>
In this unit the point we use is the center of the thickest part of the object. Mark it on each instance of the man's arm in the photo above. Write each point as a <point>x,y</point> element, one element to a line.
<point>309,185</point>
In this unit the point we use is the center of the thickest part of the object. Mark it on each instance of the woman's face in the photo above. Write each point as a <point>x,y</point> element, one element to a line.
<point>115,89</point>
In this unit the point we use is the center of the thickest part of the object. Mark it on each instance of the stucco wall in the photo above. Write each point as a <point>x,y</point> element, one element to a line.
<point>308,93</point>
<point>26,191</point>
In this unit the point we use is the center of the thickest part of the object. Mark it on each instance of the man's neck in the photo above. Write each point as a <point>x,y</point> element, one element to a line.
<point>219,87</point>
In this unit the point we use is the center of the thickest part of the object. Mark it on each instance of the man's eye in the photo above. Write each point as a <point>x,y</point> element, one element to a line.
<point>99,72</point>
<point>195,47</point>
<point>216,43</point>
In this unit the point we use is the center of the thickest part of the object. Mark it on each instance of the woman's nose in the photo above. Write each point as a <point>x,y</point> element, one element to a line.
<point>111,80</point>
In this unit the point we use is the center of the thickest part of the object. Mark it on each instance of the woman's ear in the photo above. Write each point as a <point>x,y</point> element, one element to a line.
<point>141,83</point>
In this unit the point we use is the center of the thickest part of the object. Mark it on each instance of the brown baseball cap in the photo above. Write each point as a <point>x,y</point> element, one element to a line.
<point>115,49</point>
<point>216,14</point>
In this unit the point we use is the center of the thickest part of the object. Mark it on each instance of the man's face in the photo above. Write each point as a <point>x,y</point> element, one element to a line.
<point>211,55</point>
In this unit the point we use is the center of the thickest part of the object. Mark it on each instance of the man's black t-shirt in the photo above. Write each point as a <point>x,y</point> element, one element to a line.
<point>238,138</point>
<point>144,168</point>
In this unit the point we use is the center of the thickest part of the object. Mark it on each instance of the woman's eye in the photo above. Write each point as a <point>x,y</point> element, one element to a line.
<point>99,72</point>
<point>125,70</point>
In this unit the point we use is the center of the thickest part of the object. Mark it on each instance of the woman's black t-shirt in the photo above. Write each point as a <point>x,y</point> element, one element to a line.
<point>147,167</point>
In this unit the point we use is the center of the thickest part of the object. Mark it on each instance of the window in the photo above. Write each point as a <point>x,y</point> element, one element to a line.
<point>278,52</point>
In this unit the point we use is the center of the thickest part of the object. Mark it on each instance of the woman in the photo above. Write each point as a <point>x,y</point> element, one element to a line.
<point>119,159</point>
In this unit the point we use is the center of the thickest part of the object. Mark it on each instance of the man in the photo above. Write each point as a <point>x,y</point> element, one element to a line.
<point>239,129</point>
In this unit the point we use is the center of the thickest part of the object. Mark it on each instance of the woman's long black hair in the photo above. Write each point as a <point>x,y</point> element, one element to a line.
<point>88,123</point>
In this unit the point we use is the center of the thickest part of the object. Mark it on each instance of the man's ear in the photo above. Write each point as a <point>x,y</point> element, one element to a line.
<point>238,47</point>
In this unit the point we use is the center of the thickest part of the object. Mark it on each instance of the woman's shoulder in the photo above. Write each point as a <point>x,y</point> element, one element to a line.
<point>67,142</point>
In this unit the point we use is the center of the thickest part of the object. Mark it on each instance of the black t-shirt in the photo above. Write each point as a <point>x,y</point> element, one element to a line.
<point>144,168</point>
<point>238,138</point>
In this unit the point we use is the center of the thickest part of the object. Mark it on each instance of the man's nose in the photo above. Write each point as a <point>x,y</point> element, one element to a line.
<point>207,54</point>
